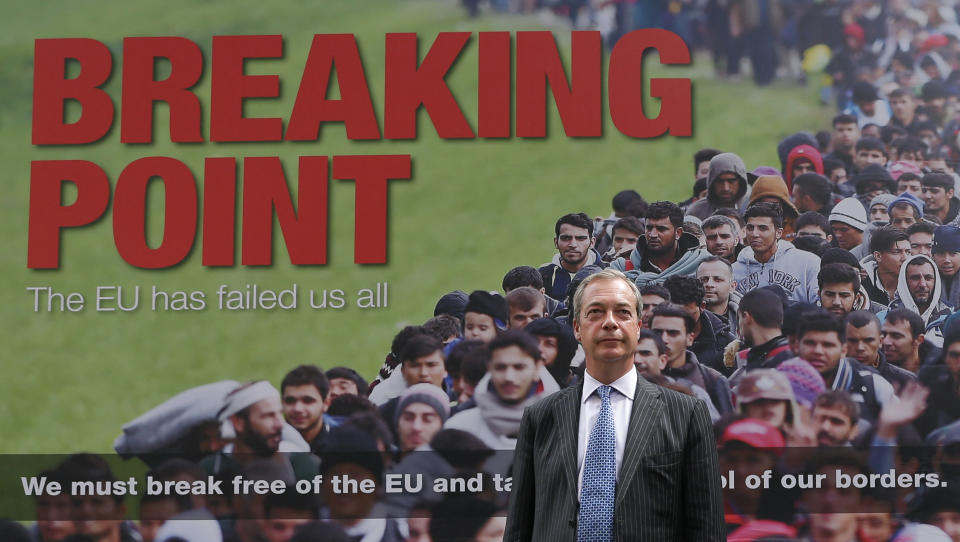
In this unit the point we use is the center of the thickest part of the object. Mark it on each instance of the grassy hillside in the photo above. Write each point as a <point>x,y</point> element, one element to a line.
<point>473,210</point>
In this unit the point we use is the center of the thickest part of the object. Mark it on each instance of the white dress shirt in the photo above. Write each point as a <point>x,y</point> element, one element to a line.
<point>621,401</point>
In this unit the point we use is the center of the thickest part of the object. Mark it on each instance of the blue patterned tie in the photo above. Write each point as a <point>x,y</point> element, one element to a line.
<point>599,477</point>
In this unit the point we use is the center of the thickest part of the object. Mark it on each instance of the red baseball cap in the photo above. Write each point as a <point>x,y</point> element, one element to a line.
<point>754,433</point>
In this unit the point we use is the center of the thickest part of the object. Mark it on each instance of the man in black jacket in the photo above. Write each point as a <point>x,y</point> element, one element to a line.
<point>710,334</point>
<point>864,343</point>
<point>761,327</point>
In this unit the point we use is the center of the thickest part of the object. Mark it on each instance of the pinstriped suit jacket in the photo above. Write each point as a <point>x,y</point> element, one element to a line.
<point>668,485</point>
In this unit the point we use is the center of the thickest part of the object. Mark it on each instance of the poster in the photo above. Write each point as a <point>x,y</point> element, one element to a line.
<point>94,340</point>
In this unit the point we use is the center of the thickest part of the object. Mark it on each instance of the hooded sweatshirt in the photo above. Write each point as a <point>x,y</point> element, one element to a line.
<point>639,269</point>
<point>556,279</point>
<point>792,269</point>
<point>803,151</point>
<point>722,163</point>
<point>770,186</point>
<point>495,422</point>
<point>934,314</point>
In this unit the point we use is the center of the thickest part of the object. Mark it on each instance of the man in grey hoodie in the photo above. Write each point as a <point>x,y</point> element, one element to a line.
<point>769,260</point>
<point>919,291</point>
<point>726,186</point>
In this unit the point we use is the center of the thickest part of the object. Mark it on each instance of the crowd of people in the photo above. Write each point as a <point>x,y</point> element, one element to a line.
<point>811,306</point>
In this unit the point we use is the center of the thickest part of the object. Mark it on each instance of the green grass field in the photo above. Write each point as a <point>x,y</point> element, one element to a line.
<point>473,210</point>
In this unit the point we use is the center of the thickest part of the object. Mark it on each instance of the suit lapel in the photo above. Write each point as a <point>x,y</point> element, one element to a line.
<point>569,421</point>
<point>643,419</point>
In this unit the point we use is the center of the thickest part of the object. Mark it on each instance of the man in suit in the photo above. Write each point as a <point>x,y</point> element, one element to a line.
<point>663,483</point>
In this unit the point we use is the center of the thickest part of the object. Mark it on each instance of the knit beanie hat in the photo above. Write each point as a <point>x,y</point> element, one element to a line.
<point>350,444</point>
<point>851,212</point>
<point>873,173</point>
<point>883,199</point>
<point>946,239</point>
<point>452,304</point>
<point>900,167</point>
<point>427,394</point>
<point>907,198</point>
<point>490,303</point>
<point>806,382</point>
<point>838,255</point>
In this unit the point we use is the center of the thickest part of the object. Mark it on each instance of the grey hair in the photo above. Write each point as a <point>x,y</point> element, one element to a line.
<point>606,274</point>
<point>717,221</point>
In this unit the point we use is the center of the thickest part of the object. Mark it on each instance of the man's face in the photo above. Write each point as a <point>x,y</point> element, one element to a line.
<point>921,280</point>
<point>822,349</point>
<point>847,236</point>
<point>845,136</point>
<point>153,514</point>
<point>624,239</point>
<point>901,218</point>
<point>419,527</point>
<point>948,521</point>
<point>930,138</point>
<point>834,426</point>
<point>649,302</point>
<point>98,516</point>
<point>911,186</point>
<point>726,187</point>
<point>608,324</point>
<point>952,358</point>
<point>573,243</point>
<point>762,234</point>
<point>903,108</point>
<point>349,505</point>
<point>479,327</point>
<point>865,157</point>
<point>720,241</point>
<point>921,242</point>
<point>512,373</point>
<point>548,349</point>
<point>675,337</point>
<point>303,407</point>
<point>813,230</point>
<point>520,318</point>
<point>661,235</point>
<point>878,213</point>
<point>54,519</point>
<point>890,260</point>
<point>831,508</point>
<point>262,426</point>
<point>863,343</point>
<point>648,359</point>
<point>427,369</point>
<point>703,169</point>
<point>772,411</point>
<point>935,105</point>
<point>801,166</point>
<point>838,298</point>
<point>868,107</point>
<point>744,460</point>
<point>948,262</point>
<point>936,198</point>
<point>717,282</point>
<point>838,176</point>
<point>879,525</point>
<point>417,425</point>
<point>341,386</point>
<point>282,529</point>
<point>898,342</point>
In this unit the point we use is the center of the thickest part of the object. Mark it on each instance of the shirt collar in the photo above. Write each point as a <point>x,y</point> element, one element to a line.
<point>626,385</point>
